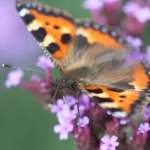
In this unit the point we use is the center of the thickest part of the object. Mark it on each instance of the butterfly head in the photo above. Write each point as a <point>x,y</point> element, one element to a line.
<point>64,83</point>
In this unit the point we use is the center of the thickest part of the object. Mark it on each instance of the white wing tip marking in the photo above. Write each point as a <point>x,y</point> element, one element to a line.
<point>23,12</point>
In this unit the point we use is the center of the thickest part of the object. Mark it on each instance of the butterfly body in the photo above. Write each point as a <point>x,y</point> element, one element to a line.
<point>65,83</point>
<point>90,57</point>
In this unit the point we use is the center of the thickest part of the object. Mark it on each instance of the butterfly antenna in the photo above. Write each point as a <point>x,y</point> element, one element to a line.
<point>16,67</point>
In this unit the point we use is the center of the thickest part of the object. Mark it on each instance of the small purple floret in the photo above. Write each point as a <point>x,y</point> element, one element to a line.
<point>14,78</point>
<point>142,14</point>
<point>70,100</point>
<point>136,42</point>
<point>93,4</point>
<point>109,143</point>
<point>44,62</point>
<point>143,128</point>
<point>83,121</point>
<point>63,129</point>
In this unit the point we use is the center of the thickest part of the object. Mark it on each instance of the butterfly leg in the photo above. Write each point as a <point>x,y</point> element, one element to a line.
<point>54,97</point>
<point>65,101</point>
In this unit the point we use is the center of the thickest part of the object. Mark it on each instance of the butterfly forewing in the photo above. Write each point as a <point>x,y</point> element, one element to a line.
<point>53,29</point>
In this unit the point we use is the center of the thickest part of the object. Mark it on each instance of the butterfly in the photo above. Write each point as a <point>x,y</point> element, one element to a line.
<point>90,55</point>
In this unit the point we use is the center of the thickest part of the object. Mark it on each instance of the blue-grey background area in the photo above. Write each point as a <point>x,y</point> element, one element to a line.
<point>24,123</point>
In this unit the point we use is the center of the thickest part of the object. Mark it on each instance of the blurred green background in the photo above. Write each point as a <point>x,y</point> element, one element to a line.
<point>24,123</point>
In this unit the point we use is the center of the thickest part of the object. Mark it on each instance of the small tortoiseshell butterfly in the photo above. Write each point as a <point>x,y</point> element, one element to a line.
<point>90,57</point>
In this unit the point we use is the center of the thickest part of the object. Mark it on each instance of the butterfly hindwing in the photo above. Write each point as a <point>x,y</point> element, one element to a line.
<point>104,35</point>
<point>121,102</point>
<point>125,98</point>
<point>122,89</point>
<point>139,80</point>
<point>141,76</point>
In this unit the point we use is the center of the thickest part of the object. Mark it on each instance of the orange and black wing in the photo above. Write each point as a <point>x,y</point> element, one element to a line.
<point>95,38</point>
<point>61,37</point>
<point>127,98</point>
<point>53,29</point>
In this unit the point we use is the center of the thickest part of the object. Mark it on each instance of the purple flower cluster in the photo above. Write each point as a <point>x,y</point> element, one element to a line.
<point>140,13</point>
<point>67,112</point>
<point>93,127</point>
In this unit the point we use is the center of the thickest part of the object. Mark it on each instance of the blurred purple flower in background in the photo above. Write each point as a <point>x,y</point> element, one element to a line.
<point>130,7</point>
<point>135,41</point>
<point>93,4</point>
<point>123,121</point>
<point>147,112</point>
<point>142,14</point>
<point>44,62</point>
<point>14,78</point>
<point>144,127</point>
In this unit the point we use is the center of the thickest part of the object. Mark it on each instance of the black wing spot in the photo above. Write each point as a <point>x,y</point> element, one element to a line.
<point>97,91</point>
<point>56,27</point>
<point>102,100</point>
<point>66,38</point>
<point>124,84</point>
<point>115,90</point>
<point>28,18</point>
<point>121,101</point>
<point>122,96</point>
<point>39,34</point>
<point>47,23</point>
<point>81,42</point>
<point>115,109</point>
<point>53,47</point>
<point>136,105</point>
